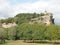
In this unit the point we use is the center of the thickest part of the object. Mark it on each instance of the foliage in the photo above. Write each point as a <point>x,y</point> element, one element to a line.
<point>25,31</point>
<point>2,35</point>
<point>35,32</point>
<point>12,33</point>
<point>25,17</point>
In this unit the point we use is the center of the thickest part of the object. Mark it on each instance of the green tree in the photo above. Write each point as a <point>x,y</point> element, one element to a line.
<point>2,35</point>
<point>12,33</point>
<point>52,32</point>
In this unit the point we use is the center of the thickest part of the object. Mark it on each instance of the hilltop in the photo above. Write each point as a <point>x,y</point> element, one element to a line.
<point>44,18</point>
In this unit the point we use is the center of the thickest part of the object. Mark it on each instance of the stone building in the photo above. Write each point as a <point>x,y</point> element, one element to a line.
<point>46,19</point>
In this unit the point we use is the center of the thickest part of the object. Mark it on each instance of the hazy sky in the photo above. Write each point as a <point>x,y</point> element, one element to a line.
<point>9,8</point>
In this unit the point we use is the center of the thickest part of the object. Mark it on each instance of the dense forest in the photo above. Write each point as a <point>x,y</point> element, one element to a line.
<point>25,31</point>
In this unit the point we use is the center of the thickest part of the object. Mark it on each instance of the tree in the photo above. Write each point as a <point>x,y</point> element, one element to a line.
<point>52,32</point>
<point>12,33</point>
<point>2,21</point>
<point>2,35</point>
<point>10,20</point>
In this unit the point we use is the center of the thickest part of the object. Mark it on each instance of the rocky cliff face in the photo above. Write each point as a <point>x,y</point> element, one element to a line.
<point>46,19</point>
<point>4,25</point>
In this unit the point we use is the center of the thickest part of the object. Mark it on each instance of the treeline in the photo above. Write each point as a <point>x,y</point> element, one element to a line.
<point>30,32</point>
<point>21,18</point>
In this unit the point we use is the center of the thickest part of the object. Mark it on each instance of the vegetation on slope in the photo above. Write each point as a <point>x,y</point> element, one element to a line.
<point>31,32</point>
<point>21,18</point>
<point>25,31</point>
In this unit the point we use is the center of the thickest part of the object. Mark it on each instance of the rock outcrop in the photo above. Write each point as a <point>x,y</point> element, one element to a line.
<point>46,19</point>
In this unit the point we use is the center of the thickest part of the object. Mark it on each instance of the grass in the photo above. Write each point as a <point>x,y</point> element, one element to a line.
<point>20,42</point>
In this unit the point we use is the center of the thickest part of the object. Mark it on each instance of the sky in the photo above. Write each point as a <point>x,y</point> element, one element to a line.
<point>9,8</point>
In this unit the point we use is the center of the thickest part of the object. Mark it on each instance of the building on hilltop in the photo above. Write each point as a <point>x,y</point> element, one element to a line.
<point>46,19</point>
